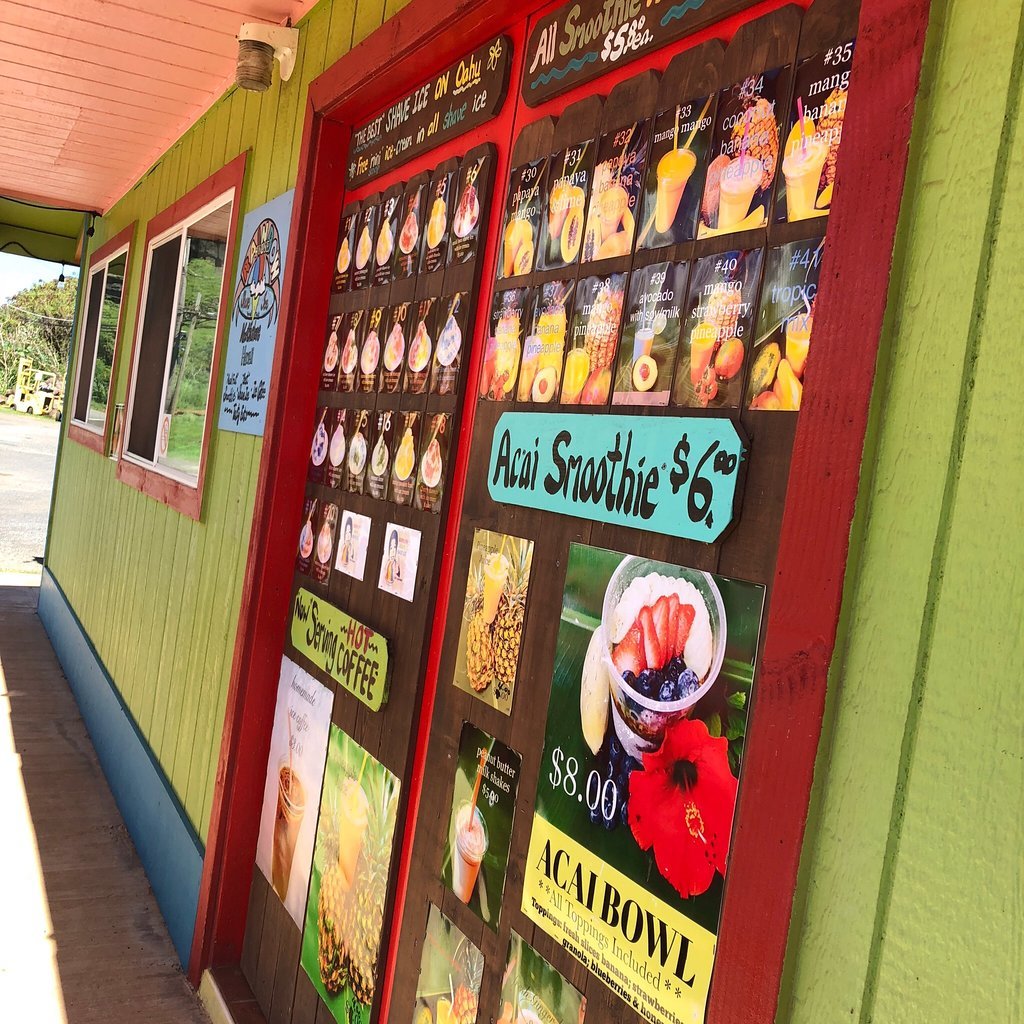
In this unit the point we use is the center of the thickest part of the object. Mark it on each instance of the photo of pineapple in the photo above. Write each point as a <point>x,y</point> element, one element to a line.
<point>494,614</point>
<point>451,969</point>
<point>348,888</point>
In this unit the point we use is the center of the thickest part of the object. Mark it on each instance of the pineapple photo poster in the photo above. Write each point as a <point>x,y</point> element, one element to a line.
<point>291,796</point>
<point>782,336</point>
<point>451,969</point>
<point>480,825</point>
<point>349,880</point>
<point>744,156</point>
<point>493,616</point>
<point>643,750</point>
<point>533,992</point>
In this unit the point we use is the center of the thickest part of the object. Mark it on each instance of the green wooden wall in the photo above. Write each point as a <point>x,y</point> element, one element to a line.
<point>912,898</point>
<point>158,593</point>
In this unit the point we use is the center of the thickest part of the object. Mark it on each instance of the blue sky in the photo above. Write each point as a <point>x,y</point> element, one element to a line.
<point>18,272</point>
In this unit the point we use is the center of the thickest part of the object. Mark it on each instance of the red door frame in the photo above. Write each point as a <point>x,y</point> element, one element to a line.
<point>814,542</point>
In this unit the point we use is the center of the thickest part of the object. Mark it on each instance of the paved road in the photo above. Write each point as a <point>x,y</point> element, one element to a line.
<point>28,448</point>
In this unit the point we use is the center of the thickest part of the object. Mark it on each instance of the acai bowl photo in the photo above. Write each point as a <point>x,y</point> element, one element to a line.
<point>650,694</point>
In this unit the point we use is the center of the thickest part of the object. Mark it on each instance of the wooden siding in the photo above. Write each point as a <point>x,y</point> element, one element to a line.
<point>158,593</point>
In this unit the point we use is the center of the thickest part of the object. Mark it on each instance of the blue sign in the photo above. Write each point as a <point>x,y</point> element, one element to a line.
<point>255,316</point>
<point>674,475</point>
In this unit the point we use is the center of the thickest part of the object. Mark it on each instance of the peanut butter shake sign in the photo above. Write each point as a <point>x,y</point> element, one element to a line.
<point>581,40</point>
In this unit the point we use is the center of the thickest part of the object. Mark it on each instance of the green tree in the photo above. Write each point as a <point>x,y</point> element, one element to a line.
<point>36,324</point>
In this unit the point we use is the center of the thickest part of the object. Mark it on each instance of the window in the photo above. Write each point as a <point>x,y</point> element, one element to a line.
<point>177,341</point>
<point>179,332</point>
<point>97,349</point>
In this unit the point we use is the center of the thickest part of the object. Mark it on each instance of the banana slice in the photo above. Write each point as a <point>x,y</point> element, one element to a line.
<point>594,692</point>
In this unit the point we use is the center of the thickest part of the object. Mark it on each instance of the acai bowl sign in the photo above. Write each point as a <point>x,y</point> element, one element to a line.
<point>255,317</point>
<point>675,475</point>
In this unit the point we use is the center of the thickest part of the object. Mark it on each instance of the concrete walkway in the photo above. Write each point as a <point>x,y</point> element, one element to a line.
<point>81,938</point>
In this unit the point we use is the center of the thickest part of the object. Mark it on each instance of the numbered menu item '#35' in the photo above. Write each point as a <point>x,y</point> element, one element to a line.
<point>653,675</point>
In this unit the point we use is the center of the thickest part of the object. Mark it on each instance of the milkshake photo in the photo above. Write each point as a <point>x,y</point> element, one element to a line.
<point>295,767</point>
<point>480,826</point>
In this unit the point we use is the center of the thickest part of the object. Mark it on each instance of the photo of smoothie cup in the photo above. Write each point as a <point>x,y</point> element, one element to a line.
<point>291,805</point>
<point>353,815</point>
<point>495,576</point>
<point>739,181</point>
<point>470,847</point>
<point>802,166</point>
<point>643,342</point>
<point>647,700</point>
<point>673,171</point>
<point>798,339</point>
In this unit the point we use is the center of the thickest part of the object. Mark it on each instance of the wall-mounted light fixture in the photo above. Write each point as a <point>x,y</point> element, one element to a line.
<point>258,45</point>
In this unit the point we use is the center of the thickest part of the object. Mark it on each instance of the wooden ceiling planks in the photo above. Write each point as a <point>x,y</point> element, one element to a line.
<point>93,92</point>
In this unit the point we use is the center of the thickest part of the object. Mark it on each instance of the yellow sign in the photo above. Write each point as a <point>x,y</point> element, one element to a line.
<point>650,955</point>
<point>348,651</point>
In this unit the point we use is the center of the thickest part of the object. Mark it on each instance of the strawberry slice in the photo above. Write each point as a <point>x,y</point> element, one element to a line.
<point>673,625</point>
<point>652,645</point>
<point>628,655</point>
<point>662,615</point>
<point>686,615</point>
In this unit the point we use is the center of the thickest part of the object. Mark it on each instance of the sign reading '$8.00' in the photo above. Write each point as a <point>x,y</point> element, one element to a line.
<point>348,651</point>
<point>674,475</point>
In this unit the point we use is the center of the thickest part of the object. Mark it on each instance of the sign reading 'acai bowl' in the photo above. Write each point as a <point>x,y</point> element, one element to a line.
<point>674,475</point>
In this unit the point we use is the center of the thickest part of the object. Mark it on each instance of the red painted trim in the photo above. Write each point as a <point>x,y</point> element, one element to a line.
<point>182,497</point>
<point>96,440</point>
<point>252,690</point>
<point>815,537</point>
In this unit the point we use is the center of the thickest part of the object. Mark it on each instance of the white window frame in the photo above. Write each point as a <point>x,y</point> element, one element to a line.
<point>178,229</point>
<point>98,268</point>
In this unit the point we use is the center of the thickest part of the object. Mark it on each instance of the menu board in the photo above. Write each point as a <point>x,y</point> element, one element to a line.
<point>650,335</point>
<point>717,332</point>
<point>616,191</point>
<point>593,340</point>
<point>784,323</point>
<point>814,131</point>
<point>681,140</point>
<point>521,228</point>
<point>745,155</point>
<point>540,371</point>
<point>569,173</point>
<point>464,95</point>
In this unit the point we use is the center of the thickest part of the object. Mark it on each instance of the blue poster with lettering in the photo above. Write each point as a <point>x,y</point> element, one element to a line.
<point>255,316</point>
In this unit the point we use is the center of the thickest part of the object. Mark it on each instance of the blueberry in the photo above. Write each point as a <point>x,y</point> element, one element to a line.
<point>596,817</point>
<point>688,682</point>
<point>629,678</point>
<point>667,691</point>
<point>646,682</point>
<point>615,748</point>
<point>609,824</point>
<point>624,812</point>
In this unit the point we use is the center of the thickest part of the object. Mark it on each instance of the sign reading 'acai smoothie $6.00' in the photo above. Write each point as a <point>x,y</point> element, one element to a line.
<point>674,475</point>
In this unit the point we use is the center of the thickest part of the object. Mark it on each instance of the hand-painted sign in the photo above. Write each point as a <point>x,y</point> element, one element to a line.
<point>255,315</point>
<point>348,651</point>
<point>585,38</point>
<point>674,475</point>
<point>463,96</point>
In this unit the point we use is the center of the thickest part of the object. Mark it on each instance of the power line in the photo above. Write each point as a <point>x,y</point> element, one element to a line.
<point>38,316</point>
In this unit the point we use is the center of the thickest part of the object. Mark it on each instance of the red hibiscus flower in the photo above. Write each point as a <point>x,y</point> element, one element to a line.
<point>681,802</point>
